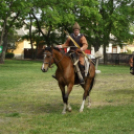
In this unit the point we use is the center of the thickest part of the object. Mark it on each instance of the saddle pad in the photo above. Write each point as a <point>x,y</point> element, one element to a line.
<point>87,64</point>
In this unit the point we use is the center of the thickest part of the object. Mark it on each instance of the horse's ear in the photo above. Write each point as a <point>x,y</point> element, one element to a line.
<point>44,46</point>
<point>48,48</point>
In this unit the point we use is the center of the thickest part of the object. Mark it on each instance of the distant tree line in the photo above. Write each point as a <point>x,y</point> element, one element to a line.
<point>98,20</point>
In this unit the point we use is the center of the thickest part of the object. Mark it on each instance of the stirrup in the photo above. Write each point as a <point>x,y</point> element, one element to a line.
<point>76,62</point>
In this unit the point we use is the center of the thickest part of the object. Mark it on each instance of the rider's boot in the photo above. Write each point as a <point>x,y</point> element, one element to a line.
<point>82,68</point>
<point>80,76</point>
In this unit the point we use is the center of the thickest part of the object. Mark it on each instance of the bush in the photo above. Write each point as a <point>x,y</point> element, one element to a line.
<point>9,55</point>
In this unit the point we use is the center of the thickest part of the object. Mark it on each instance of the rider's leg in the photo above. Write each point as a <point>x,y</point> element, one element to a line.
<point>77,69</point>
<point>82,65</point>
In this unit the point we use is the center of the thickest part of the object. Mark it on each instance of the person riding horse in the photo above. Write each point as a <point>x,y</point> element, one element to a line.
<point>82,42</point>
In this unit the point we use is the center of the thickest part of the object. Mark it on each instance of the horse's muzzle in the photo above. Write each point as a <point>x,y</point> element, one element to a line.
<point>44,70</point>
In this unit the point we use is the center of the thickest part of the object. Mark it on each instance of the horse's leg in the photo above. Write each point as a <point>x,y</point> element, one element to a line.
<point>69,89</point>
<point>62,87</point>
<point>86,93</point>
<point>65,105</point>
<point>90,88</point>
<point>69,108</point>
<point>89,99</point>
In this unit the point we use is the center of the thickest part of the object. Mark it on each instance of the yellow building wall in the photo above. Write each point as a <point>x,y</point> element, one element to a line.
<point>19,48</point>
<point>125,48</point>
<point>131,48</point>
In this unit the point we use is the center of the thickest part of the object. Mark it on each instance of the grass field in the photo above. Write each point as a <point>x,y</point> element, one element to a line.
<point>31,102</point>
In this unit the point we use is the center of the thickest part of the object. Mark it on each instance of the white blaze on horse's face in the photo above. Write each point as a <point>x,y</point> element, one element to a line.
<point>47,61</point>
<point>45,55</point>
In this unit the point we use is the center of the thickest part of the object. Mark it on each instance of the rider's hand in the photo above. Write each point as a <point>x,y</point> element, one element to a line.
<point>59,46</point>
<point>78,50</point>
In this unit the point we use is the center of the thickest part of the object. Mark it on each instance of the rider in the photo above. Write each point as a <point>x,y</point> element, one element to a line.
<point>82,42</point>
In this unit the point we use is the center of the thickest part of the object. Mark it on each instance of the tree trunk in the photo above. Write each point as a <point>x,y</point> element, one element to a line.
<point>36,50</point>
<point>104,53</point>
<point>39,26</point>
<point>2,58</point>
<point>30,35</point>
<point>3,31</point>
<point>6,29</point>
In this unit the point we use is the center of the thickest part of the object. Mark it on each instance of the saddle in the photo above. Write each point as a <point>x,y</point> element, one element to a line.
<point>81,72</point>
<point>75,59</point>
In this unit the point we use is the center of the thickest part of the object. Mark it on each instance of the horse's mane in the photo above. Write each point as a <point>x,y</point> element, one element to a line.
<point>55,48</point>
<point>59,50</point>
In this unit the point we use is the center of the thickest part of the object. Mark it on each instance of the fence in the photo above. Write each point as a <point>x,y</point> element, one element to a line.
<point>118,59</point>
<point>38,53</point>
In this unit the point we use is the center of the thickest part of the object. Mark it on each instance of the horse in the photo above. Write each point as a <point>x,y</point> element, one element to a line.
<point>65,75</point>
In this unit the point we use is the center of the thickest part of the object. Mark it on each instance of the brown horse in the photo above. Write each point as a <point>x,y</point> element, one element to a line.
<point>66,76</point>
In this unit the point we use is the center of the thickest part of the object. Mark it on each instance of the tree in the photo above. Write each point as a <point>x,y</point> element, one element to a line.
<point>98,19</point>
<point>11,12</point>
<point>113,19</point>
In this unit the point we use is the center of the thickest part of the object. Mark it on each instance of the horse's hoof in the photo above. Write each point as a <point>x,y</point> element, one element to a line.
<point>81,111</point>
<point>63,112</point>
<point>89,106</point>
<point>69,109</point>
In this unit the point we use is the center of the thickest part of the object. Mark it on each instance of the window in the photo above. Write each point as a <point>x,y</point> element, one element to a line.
<point>114,49</point>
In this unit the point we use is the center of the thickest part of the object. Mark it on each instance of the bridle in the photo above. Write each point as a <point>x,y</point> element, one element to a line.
<point>56,62</point>
<point>49,63</point>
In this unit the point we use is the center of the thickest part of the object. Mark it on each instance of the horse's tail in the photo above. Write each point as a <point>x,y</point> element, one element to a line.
<point>92,83</point>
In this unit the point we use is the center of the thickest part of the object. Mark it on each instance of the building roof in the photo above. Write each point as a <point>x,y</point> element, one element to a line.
<point>23,31</point>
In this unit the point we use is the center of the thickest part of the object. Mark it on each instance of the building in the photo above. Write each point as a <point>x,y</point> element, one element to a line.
<point>20,44</point>
<point>129,47</point>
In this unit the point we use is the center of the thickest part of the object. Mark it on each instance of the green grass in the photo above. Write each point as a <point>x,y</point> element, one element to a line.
<point>31,102</point>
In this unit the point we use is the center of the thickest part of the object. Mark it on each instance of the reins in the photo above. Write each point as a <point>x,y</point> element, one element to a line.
<point>49,63</point>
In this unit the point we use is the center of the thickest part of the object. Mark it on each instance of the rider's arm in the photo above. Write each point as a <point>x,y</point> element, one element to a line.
<point>84,43</point>
<point>65,44</point>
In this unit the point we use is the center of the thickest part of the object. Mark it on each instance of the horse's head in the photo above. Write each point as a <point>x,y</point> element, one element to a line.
<point>48,59</point>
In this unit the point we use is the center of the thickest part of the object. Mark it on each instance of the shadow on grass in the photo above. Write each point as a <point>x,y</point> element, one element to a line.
<point>51,108</point>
